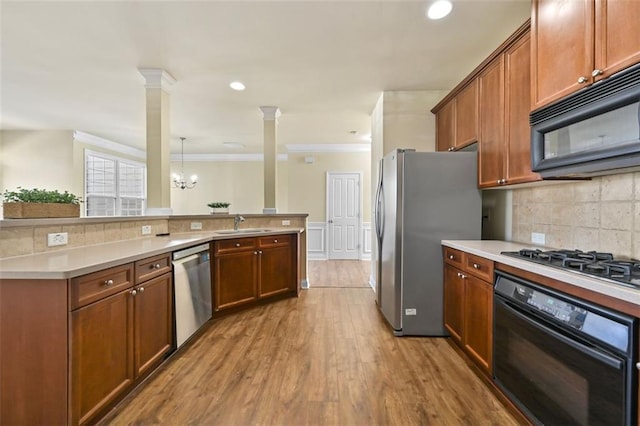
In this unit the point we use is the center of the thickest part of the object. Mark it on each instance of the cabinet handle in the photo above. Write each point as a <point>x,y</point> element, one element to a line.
<point>237,244</point>
<point>141,289</point>
<point>451,148</point>
<point>275,241</point>
<point>134,292</point>
<point>476,266</point>
<point>259,251</point>
<point>108,283</point>
<point>255,252</point>
<point>582,79</point>
<point>596,73</point>
<point>451,257</point>
<point>156,266</point>
<point>638,365</point>
<point>504,181</point>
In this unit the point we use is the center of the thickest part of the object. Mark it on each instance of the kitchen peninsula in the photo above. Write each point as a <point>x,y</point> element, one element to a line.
<point>58,306</point>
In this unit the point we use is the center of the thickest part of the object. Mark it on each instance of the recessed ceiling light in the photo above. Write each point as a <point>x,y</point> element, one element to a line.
<point>236,85</point>
<point>233,144</point>
<point>439,9</point>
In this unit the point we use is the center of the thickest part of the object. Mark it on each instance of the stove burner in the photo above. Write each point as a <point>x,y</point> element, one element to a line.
<point>602,265</point>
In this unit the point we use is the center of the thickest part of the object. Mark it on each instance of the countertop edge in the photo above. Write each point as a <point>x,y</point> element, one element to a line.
<point>55,265</point>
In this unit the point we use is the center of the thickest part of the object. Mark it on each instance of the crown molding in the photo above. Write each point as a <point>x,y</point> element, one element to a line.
<point>349,147</point>
<point>224,157</point>
<point>157,78</point>
<point>99,142</point>
<point>270,113</point>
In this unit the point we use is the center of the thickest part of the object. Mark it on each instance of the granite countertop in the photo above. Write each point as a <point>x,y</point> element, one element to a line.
<point>73,262</point>
<point>491,249</point>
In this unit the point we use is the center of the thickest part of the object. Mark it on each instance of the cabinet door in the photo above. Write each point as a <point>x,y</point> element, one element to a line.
<point>276,271</point>
<point>453,301</point>
<point>467,115</point>
<point>562,48</point>
<point>101,354</point>
<point>517,102</point>
<point>617,39</point>
<point>492,142</point>
<point>445,127</point>
<point>478,320</point>
<point>235,279</point>
<point>153,319</point>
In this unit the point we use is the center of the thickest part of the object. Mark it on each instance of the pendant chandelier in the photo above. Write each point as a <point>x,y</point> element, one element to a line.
<point>178,179</point>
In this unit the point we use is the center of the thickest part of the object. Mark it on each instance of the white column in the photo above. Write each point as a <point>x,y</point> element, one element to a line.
<point>158,82</point>
<point>270,116</point>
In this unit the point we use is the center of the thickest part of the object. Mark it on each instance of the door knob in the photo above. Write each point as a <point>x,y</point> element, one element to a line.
<point>330,220</point>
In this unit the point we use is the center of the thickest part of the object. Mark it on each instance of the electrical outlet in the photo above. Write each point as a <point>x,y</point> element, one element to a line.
<point>410,311</point>
<point>196,226</point>
<point>286,222</point>
<point>537,238</point>
<point>146,230</point>
<point>57,239</point>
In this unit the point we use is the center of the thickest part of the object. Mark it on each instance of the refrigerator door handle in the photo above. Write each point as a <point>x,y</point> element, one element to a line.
<point>378,207</point>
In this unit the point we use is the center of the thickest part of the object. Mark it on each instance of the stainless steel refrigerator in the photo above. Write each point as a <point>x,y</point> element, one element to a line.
<point>422,198</point>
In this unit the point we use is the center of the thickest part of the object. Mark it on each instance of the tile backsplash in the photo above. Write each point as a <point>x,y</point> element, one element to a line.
<point>600,214</point>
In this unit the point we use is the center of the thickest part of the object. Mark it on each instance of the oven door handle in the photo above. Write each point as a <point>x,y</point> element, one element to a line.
<point>589,351</point>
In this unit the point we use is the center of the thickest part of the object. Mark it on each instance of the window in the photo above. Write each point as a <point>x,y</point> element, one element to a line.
<point>114,186</point>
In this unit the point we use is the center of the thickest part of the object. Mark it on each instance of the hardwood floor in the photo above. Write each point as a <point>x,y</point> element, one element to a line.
<point>339,273</point>
<point>325,358</point>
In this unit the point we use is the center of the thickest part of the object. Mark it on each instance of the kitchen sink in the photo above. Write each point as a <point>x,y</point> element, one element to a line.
<point>242,231</point>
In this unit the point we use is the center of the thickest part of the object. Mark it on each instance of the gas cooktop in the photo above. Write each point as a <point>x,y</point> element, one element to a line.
<point>596,264</point>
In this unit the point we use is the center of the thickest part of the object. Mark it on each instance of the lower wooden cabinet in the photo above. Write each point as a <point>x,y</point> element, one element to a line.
<point>117,340</point>
<point>249,269</point>
<point>468,306</point>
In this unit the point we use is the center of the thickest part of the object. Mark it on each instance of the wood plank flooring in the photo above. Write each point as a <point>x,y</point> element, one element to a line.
<point>325,358</point>
<point>339,273</point>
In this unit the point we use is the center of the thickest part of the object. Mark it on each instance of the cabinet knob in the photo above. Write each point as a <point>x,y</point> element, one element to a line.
<point>476,266</point>
<point>451,148</point>
<point>134,292</point>
<point>156,266</point>
<point>638,365</point>
<point>255,252</point>
<point>108,283</point>
<point>596,73</point>
<point>275,241</point>
<point>141,289</point>
<point>237,244</point>
<point>451,256</point>
<point>582,79</point>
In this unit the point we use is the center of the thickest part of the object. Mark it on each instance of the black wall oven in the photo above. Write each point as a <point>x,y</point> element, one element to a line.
<point>563,361</point>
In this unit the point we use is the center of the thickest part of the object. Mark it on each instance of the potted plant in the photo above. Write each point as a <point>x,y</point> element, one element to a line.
<point>39,203</point>
<point>219,207</point>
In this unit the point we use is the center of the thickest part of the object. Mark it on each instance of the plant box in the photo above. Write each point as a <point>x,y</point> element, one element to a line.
<point>39,210</point>
<point>219,210</point>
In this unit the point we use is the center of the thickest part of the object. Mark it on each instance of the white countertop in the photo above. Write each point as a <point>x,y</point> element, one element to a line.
<point>73,262</point>
<point>491,249</point>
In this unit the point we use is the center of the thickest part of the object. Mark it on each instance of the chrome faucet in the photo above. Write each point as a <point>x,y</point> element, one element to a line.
<point>236,221</point>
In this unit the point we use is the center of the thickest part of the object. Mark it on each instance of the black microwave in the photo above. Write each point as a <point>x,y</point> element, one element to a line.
<point>595,131</point>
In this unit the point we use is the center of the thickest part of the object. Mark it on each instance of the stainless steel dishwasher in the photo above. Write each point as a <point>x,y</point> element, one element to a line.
<point>192,290</point>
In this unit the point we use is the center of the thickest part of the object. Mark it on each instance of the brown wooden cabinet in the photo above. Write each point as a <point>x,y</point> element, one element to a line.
<point>576,43</point>
<point>468,304</point>
<point>117,338</point>
<point>457,119</point>
<point>504,152</point>
<point>249,269</point>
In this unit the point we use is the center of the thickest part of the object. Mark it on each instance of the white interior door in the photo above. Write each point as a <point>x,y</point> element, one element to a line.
<point>343,215</point>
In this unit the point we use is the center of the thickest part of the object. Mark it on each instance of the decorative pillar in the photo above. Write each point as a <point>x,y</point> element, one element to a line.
<point>270,116</point>
<point>158,82</point>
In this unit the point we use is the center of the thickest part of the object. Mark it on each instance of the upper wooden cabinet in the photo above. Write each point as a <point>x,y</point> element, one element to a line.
<point>457,120</point>
<point>504,151</point>
<point>576,43</point>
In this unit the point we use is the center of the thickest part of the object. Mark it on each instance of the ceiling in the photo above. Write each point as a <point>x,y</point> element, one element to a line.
<point>74,64</point>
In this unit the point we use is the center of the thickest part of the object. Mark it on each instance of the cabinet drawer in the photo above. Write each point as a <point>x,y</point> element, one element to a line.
<point>454,257</point>
<point>152,267</point>
<point>480,267</point>
<point>236,244</point>
<point>274,241</point>
<point>98,285</point>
